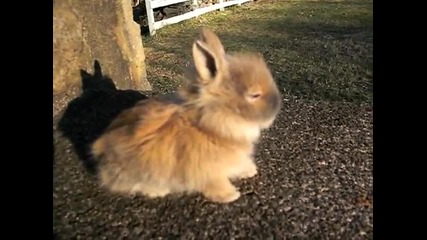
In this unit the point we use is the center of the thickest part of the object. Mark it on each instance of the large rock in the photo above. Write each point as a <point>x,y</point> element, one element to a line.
<point>85,31</point>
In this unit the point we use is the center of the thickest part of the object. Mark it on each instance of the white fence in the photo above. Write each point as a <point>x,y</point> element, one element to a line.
<point>153,4</point>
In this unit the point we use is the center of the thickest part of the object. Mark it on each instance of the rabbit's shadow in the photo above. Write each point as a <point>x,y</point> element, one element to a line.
<point>87,116</point>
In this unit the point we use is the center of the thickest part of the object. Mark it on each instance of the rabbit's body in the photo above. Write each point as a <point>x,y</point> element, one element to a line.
<point>199,142</point>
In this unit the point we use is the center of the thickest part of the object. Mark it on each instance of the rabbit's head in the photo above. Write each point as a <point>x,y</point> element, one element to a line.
<point>234,92</point>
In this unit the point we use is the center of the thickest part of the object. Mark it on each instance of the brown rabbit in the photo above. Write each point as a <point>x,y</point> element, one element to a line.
<point>199,142</point>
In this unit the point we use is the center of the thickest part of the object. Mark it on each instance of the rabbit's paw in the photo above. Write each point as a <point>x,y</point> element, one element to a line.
<point>250,171</point>
<point>221,191</point>
<point>151,192</point>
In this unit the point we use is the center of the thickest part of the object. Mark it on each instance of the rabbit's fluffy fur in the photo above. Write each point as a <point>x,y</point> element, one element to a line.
<point>199,139</point>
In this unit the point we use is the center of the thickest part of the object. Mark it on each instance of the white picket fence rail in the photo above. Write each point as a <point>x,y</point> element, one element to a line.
<point>153,25</point>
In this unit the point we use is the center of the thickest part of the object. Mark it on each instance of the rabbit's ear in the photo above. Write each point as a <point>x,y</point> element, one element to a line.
<point>208,55</point>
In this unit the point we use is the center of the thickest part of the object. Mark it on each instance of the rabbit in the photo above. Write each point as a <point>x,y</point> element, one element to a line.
<point>202,141</point>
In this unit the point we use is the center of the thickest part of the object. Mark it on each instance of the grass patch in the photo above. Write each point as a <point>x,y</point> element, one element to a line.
<point>319,50</point>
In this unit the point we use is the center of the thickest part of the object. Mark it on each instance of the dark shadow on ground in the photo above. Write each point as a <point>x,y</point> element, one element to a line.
<point>87,116</point>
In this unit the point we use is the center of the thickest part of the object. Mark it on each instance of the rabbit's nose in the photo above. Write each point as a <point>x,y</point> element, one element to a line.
<point>274,102</point>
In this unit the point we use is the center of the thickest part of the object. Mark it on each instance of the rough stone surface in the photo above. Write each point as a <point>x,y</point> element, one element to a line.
<point>314,182</point>
<point>85,31</point>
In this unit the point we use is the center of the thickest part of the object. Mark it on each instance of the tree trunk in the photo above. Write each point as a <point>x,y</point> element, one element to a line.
<point>85,31</point>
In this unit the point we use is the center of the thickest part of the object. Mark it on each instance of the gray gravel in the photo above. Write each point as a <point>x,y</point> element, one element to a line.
<point>314,182</point>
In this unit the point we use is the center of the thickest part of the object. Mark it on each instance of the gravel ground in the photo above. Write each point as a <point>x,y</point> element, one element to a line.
<point>314,182</point>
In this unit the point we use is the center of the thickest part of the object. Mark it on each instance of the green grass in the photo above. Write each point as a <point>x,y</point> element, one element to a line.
<point>319,50</point>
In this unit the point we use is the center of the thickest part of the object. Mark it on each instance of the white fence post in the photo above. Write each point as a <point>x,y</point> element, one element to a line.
<point>150,17</point>
<point>221,2</point>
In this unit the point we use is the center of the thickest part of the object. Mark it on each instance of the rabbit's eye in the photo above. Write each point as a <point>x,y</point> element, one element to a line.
<point>253,96</point>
